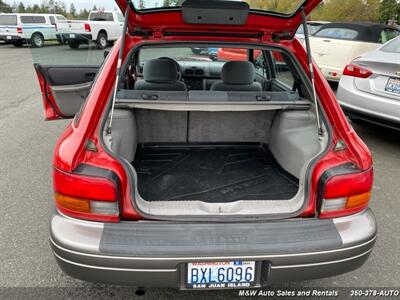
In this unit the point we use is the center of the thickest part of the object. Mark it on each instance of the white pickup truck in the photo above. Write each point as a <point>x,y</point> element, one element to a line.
<point>102,27</point>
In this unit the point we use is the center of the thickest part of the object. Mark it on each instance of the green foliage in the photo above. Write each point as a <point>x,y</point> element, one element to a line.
<point>389,10</point>
<point>4,7</point>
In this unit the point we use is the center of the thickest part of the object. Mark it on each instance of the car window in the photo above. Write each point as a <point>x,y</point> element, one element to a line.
<point>393,46</point>
<point>120,17</point>
<point>101,16</point>
<point>8,20</point>
<point>338,33</point>
<point>52,20</point>
<point>388,34</point>
<point>61,18</point>
<point>281,69</point>
<point>33,20</point>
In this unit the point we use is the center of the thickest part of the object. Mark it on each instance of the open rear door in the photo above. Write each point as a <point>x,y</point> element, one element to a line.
<point>64,88</point>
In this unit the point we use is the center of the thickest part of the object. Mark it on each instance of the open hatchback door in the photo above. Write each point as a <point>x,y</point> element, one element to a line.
<point>265,19</point>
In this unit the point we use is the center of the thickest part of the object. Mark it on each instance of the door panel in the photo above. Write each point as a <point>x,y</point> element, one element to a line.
<point>64,88</point>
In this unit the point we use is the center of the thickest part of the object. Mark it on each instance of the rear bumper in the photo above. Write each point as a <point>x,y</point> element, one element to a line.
<point>75,37</point>
<point>369,107</point>
<point>155,253</point>
<point>12,38</point>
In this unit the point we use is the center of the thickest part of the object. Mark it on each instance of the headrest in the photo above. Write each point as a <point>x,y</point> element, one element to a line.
<point>160,71</point>
<point>238,72</point>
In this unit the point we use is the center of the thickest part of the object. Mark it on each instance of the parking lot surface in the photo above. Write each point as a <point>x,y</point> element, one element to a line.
<point>26,191</point>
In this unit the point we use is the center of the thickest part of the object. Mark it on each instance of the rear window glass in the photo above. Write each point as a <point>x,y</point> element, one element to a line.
<point>61,18</point>
<point>388,34</point>
<point>33,20</point>
<point>393,46</point>
<point>281,7</point>
<point>8,20</point>
<point>101,16</point>
<point>338,33</point>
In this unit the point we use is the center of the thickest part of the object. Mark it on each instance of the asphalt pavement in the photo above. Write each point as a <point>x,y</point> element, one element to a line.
<point>26,201</point>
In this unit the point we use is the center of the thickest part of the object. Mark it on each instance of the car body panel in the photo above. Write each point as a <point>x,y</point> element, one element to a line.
<point>162,20</point>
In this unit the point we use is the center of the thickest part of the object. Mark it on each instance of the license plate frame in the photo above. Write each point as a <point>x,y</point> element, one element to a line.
<point>261,272</point>
<point>393,90</point>
<point>9,37</point>
<point>72,35</point>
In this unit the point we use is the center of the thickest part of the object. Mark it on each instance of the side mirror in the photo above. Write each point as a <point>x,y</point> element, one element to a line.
<point>106,52</point>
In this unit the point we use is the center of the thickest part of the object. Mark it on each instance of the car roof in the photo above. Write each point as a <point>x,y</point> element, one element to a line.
<point>367,32</point>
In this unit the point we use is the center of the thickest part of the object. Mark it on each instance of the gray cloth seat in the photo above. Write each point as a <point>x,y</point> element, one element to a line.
<point>237,76</point>
<point>160,75</point>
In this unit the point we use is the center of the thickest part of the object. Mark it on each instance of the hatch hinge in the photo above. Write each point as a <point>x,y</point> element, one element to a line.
<point>282,35</point>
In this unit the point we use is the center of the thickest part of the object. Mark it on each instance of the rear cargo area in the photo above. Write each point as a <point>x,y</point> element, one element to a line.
<point>211,173</point>
<point>213,162</point>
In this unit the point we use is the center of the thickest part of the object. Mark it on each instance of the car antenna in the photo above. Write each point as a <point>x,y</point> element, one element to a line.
<point>118,71</point>
<point>311,67</point>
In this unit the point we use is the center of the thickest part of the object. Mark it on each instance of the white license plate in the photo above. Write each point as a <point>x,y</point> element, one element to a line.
<point>229,274</point>
<point>393,86</point>
<point>8,37</point>
<point>72,36</point>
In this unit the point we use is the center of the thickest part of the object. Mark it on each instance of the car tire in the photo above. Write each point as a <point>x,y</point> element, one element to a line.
<point>18,44</point>
<point>102,41</point>
<point>73,44</point>
<point>37,40</point>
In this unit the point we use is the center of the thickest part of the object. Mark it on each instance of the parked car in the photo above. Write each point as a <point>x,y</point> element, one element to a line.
<point>205,174</point>
<point>102,27</point>
<point>313,27</point>
<point>370,86</point>
<point>33,29</point>
<point>335,45</point>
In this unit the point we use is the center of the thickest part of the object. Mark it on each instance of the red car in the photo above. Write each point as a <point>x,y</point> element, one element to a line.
<point>200,174</point>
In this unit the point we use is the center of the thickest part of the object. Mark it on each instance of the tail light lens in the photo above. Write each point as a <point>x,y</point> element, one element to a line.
<point>87,27</point>
<point>346,194</point>
<point>19,30</point>
<point>356,71</point>
<point>86,197</point>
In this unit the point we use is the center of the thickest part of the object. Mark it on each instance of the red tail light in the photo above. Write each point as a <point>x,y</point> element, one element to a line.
<point>86,197</point>
<point>346,194</point>
<point>356,71</point>
<point>87,27</point>
<point>19,30</point>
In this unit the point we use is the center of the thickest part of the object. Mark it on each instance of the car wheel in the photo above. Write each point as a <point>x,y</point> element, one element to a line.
<point>37,40</point>
<point>102,41</point>
<point>73,44</point>
<point>17,44</point>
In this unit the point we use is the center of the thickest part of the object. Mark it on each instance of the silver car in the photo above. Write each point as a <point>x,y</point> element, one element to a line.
<point>370,87</point>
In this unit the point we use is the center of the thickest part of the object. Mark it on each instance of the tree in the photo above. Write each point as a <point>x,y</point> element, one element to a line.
<point>72,11</point>
<point>389,10</point>
<point>4,7</point>
<point>21,8</point>
<point>141,4</point>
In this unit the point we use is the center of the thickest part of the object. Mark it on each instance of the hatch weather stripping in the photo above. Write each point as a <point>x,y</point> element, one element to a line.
<point>108,139</point>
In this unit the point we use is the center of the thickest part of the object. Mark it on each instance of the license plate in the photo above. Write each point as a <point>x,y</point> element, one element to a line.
<point>8,37</point>
<point>393,86</point>
<point>229,274</point>
<point>72,36</point>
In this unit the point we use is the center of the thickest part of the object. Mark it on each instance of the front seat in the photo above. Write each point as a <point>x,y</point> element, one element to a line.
<point>237,76</point>
<point>160,75</point>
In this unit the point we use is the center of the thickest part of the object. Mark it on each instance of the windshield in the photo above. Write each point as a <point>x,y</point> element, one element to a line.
<point>286,7</point>
<point>393,46</point>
